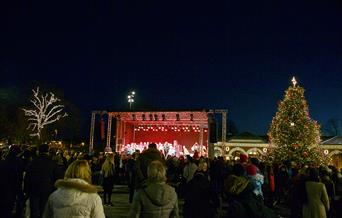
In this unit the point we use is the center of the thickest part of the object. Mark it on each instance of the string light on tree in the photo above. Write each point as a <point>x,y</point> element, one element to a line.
<point>294,141</point>
<point>46,111</point>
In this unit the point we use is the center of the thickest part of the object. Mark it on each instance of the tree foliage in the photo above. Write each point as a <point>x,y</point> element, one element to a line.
<point>293,134</point>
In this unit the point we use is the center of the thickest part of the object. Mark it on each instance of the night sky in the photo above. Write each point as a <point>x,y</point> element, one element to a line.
<point>238,55</point>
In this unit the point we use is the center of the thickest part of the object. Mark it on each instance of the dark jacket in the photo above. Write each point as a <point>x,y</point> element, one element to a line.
<point>243,203</point>
<point>198,197</point>
<point>155,201</point>
<point>40,176</point>
<point>143,161</point>
<point>11,172</point>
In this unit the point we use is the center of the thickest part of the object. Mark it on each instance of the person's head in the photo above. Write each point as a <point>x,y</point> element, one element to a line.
<point>243,158</point>
<point>323,172</point>
<point>109,165</point>
<point>255,161</point>
<point>189,159</point>
<point>203,166</point>
<point>239,170</point>
<point>110,157</point>
<point>44,149</point>
<point>79,169</point>
<point>283,168</point>
<point>13,151</point>
<point>313,175</point>
<point>152,145</point>
<point>156,172</point>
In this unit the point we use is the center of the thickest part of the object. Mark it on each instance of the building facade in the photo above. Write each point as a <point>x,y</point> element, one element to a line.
<point>256,146</point>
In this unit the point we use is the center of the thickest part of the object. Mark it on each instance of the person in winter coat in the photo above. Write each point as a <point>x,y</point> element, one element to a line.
<point>143,161</point>
<point>281,183</point>
<point>297,193</point>
<point>40,178</point>
<point>269,186</point>
<point>256,179</point>
<point>317,202</point>
<point>131,169</point>
<point>11,171</point>
<point>330,186</point>
<point>239,192</point>
<point>75,196</point>
<point>157,199</point>
<point>199,196</point>
<point>189,169</point>
<point>243,203</point>
<point>108,173</point>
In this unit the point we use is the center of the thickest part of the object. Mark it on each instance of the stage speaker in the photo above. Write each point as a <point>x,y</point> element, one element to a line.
<point>212,132</point>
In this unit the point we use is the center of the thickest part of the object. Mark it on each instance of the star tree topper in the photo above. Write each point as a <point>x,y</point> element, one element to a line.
<point>294,81</point>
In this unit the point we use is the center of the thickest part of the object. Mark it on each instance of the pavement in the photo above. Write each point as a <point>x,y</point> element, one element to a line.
<point>120,202</point>
<point>121,206</point>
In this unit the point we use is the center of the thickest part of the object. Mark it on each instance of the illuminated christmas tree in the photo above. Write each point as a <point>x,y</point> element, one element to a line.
<point>293,134</point>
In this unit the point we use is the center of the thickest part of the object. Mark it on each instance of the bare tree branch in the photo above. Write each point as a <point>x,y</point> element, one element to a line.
<point>45,112</point>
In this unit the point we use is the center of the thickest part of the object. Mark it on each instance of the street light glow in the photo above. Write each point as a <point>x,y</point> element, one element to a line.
<point>131,99</point>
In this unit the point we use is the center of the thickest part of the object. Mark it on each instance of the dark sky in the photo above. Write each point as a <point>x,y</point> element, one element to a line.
<point>238,55</point>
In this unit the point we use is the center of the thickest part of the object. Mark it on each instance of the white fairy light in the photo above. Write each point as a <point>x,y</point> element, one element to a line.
<point>46,111</point>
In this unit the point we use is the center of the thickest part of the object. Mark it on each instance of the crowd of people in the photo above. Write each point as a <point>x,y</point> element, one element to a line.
<point>42,182</point>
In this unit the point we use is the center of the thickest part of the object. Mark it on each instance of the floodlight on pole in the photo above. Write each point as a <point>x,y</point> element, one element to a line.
<point>130,98</point>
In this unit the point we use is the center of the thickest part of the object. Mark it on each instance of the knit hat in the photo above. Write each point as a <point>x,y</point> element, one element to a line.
<point>243,157</point>
<point>251,170</point>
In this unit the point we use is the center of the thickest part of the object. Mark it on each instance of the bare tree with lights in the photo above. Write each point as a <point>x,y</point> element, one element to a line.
<point>46,110</point>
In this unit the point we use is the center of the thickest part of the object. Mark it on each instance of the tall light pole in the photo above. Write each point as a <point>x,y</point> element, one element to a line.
<point>130,98</point>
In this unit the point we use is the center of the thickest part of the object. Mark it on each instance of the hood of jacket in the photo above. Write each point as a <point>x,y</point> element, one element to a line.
<point>78,184</point>
<point>159,194</point>
<point>235,184</point>
<point>72,191</point>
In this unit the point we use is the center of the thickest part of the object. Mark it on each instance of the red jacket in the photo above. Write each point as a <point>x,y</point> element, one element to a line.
<point>271,182</point>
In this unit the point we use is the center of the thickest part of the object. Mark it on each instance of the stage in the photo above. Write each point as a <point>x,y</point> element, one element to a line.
<point>175,132</point>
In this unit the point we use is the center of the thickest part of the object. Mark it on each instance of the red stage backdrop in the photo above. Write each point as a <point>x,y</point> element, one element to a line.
<point>183,138</point>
